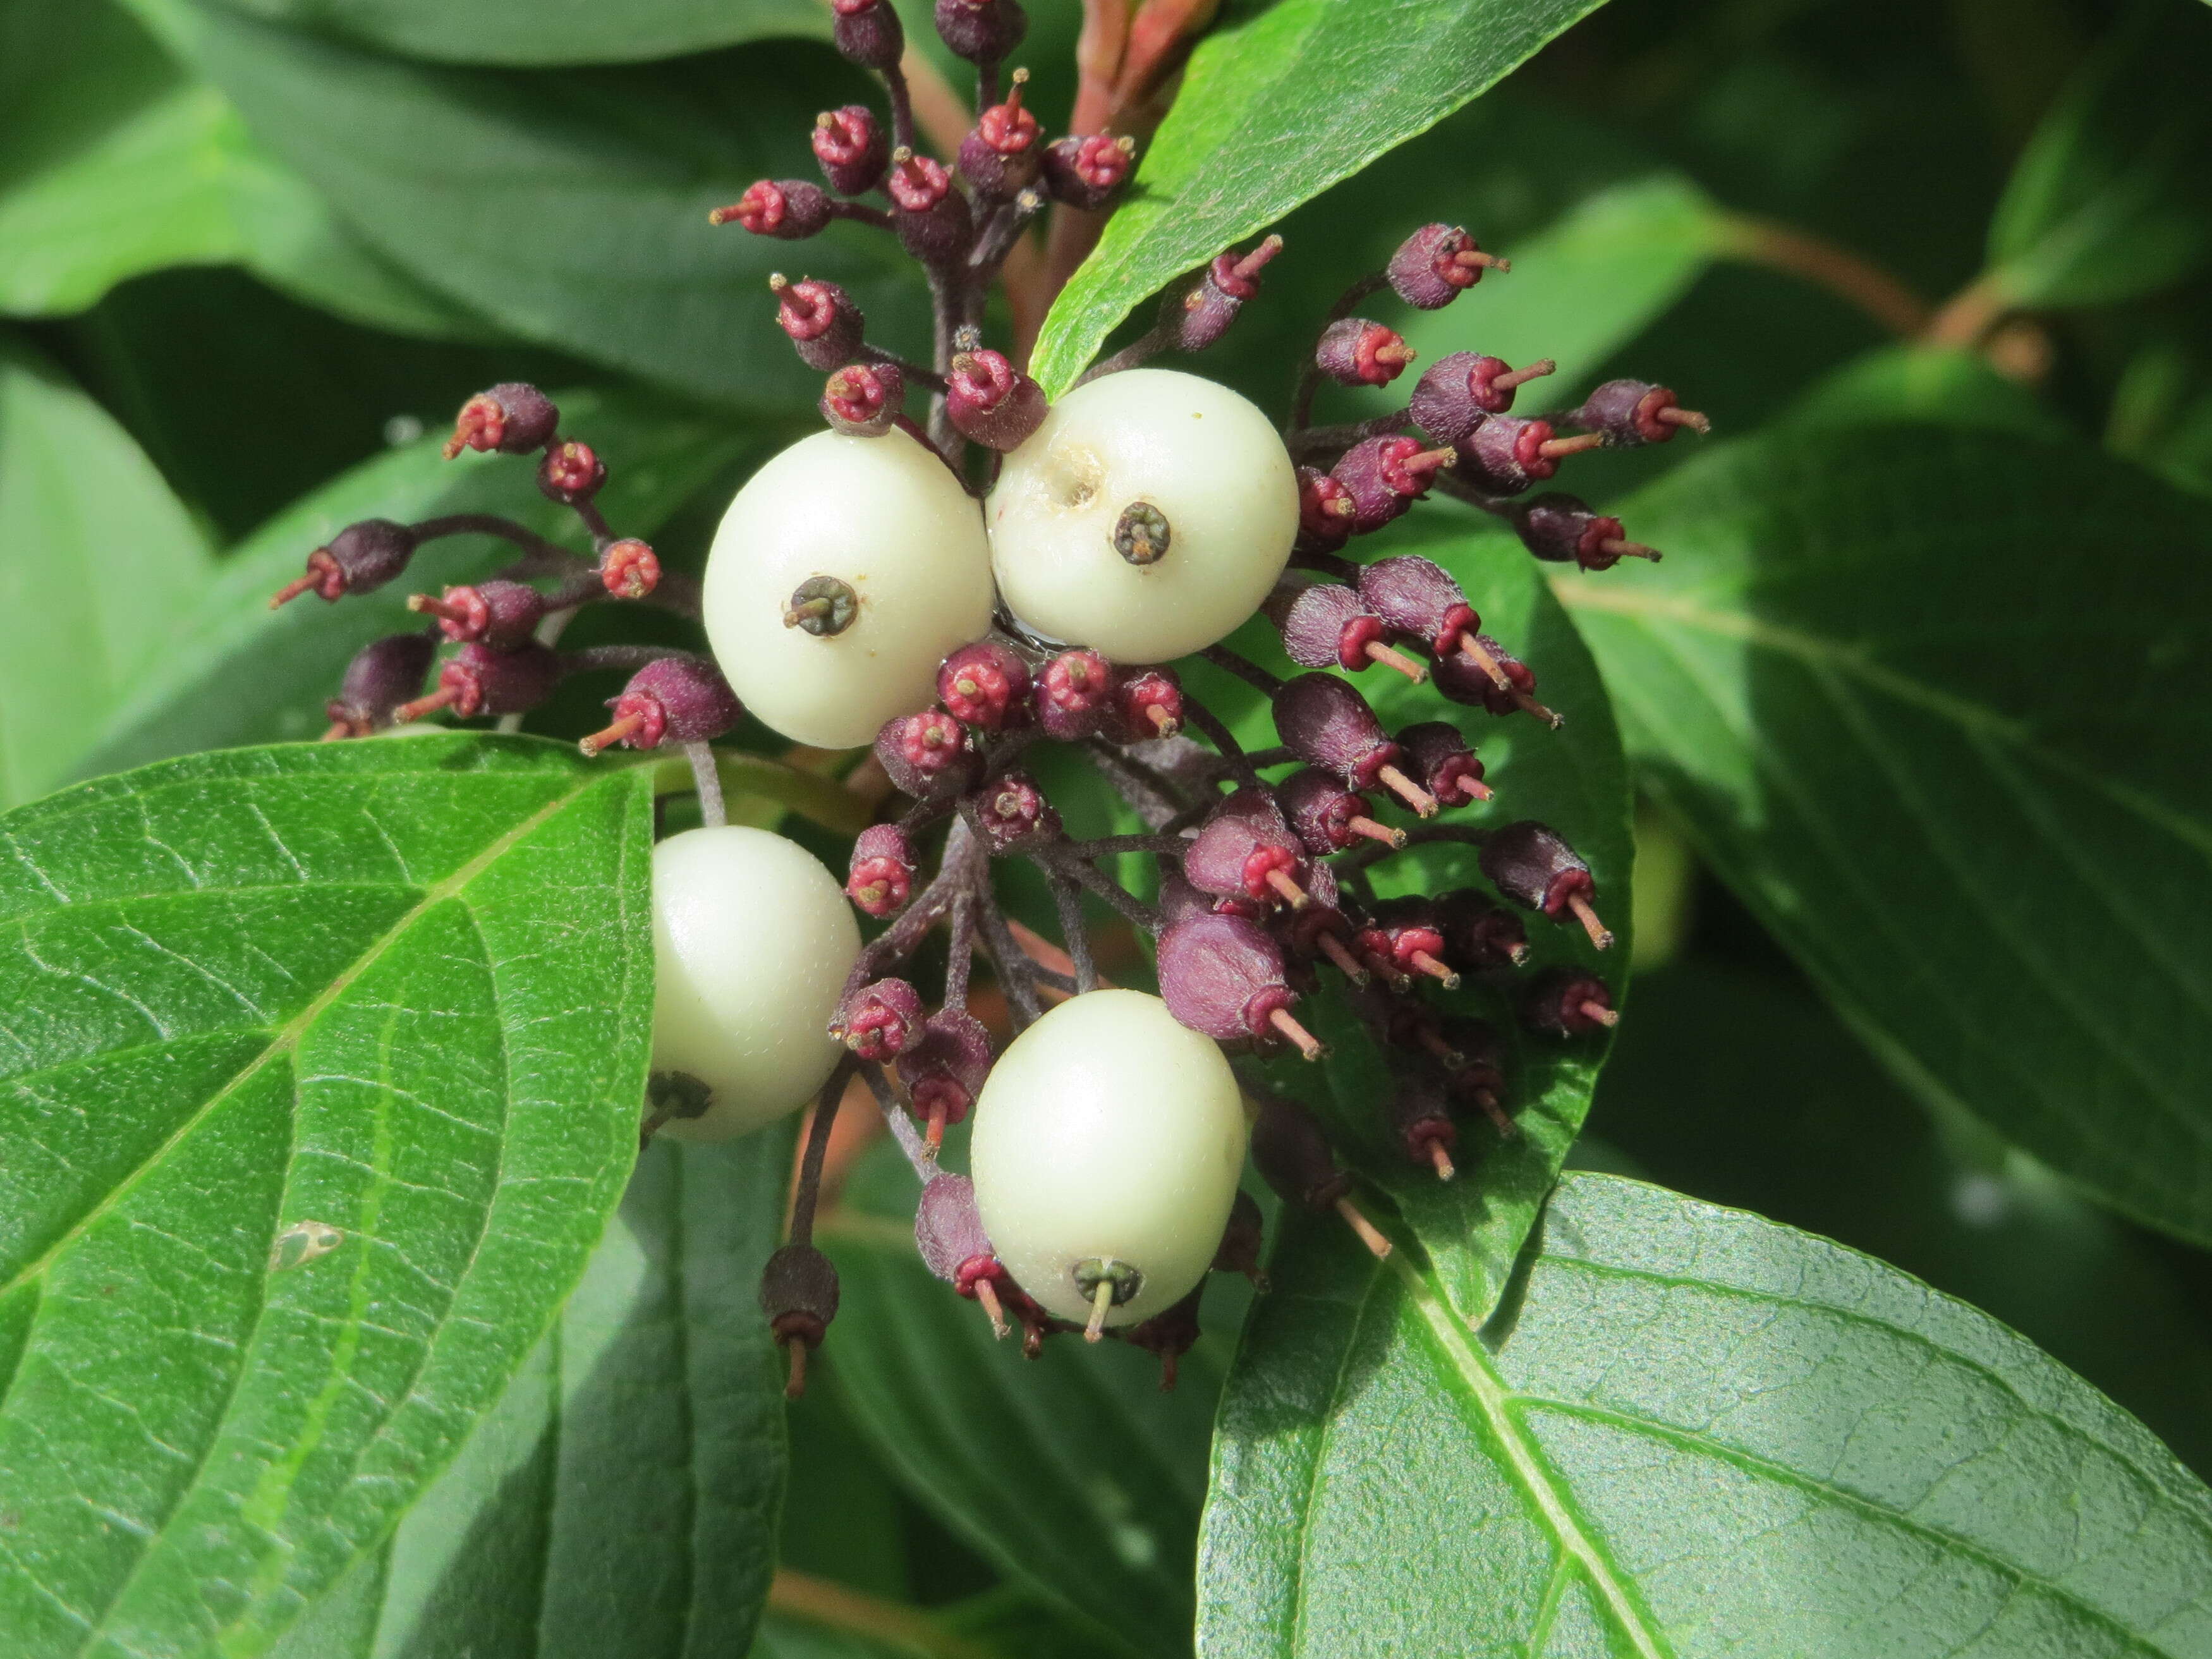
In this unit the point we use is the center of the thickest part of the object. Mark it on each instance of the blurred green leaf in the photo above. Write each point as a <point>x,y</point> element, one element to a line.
<point>2112,198</point>
<point>1931,383</point>
<point>322,1067</point>
<point>1278,105</point>
<point>234,673</point>
<point>1695,1431</point>
<point>622,1497</point>
<point>1929,699</point>
<point>119,164</point>
<point>1575,779</point>
<point>521,32</point>
<point>1071,1473</point>
<point>570,207</point>
<point>1004,1624</point>
<point>1746,1092</point>
<point>98,560</point>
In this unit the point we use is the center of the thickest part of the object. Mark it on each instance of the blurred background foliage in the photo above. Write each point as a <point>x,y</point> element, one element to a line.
<point>253,253</point>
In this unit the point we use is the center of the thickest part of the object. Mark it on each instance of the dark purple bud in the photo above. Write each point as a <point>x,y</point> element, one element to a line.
<point>823,323</point>
<point>501,614</point>
<point>1471,1053</point>
<point>359,559</point>
<point>1451,399</point>
<point>1319,931</point>
<point>1481,937</point>
<point>478,680</point>
<point>880,878</point>
<point>948,1230</point>
<point>571,472</point>
<point>926,756</point>
<point>670,700</point>
<point>1084,172</point>
<point>1463,678</point>
<point>1002,154</point>
<point>1201,312</point>
<point>1223,976</point>
<point>1326,625</point>
<point>862,400</point>
<point>789,209</point>
<point>986,684</point>
<point>383,674</point>
<point>1442,763</point>
<point>1168,1335</point>
<point>1328,724</point>
<point>1246,850</point>
<point>1072,696</point>
<point>1326,510</point>
<point>991,401</point>
<point>1384,475</point>
<point>1147,705</point>
<point>880,1020</point>
<point>1328,817</point>
<point>1289,1150</point>
<point>513,417</point>
<point>1561,528</point>
<point>932,218</point>
<point>981,31</point>
<point>1531,864</point>
<point>1355,351</point>
<point>1506,453</point>
<point>1243,1241</point>
<point>1012,811</point>
<point>944,1073</point>
<point>1404,937</point>
<point>1417,596</point>
<point>851,147</point>
<point>1564,1003</point>
<point>799,1294</point>
<point>1437,263</point>
<point>868,33</point>
<point>1420,1122</point>
<point>1627,413</point>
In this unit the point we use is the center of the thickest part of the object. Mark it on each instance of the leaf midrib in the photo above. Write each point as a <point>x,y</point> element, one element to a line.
<point>288,1035</point>
<point>1525,1463</point>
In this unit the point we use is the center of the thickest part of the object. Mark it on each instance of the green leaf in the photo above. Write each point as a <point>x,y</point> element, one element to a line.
<point>569,207</point>
<point>1072,1472</point>
<point>1277,106</point>
<point>621,1497</point>
<point>2112,198</point>
<point>1929,699</point>
<point>1695,1432</point>
<point>537,32</point>
<point>1574,779</point>
<point>1741,1088</point>
<point>119,165</point>
<point>322,1067</point>
<point>236,673</point>
<point>98,560</point>
<point>1926,383</point>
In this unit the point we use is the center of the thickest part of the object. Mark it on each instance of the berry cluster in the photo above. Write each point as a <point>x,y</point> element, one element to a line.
<point>1009,573</point>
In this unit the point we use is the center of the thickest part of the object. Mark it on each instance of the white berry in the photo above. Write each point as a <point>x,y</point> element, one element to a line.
<point>1131,453</point>
<point>1108,1133</point>
<point>753,941</point>
<point>884,518</point>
